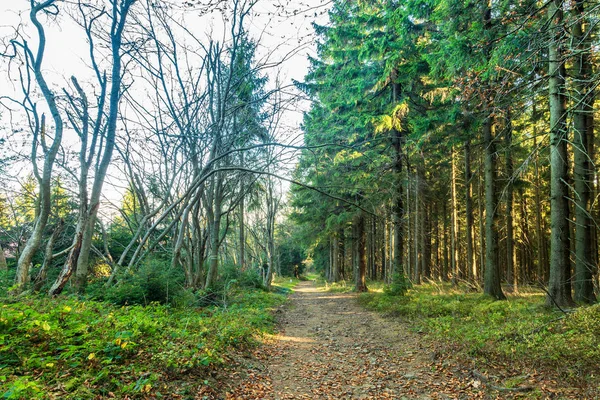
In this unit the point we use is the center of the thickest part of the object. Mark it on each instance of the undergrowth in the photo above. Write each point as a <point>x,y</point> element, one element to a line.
<point>520,329</point>
<point>68,348</point>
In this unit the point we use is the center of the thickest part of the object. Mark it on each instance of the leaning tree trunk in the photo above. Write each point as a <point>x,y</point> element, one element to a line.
<point>40,279</point>
<point>42,211</point>
<point>559,286</point>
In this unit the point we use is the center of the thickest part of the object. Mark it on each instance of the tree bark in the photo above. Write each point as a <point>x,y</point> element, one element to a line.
<point>511,265</point>
<point>40,279</point>
<point>242,257</point>
<point>471,270</point>
<point>417,233</point>
<point>3,263</point>
<point>43,206</point>
<point>542,259</point>
<point>360,242</point>
<point>584,130</point>
<point>492,270</point>
<point>454,225</point>
<point>559,286</point>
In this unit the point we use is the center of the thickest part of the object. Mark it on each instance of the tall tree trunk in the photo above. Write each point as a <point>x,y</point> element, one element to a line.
<point>492,270</point>
<point>584,130</point>
<point>242,256</point>
<point>446,246</point>
<point>417,233</point>
<point>559,286</point>
<point>481,206</point>
<point>510,235</point>
<point>542,266</point>
<point>360,254</point>
<point>398,207</point>
<point>471,270</point>
<point>454,224</point>
<point>491,285</point>
<point>436,243</point>
<point>426,241</point>
<point>213,262</point>
<point>335,262</point>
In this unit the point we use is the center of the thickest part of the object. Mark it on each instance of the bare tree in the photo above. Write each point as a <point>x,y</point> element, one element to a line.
<point>48,142</point>
<point>103,138</point>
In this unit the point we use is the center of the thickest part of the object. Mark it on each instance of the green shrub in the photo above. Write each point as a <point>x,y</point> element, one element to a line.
<point>249,278</point>
<point>95,348</point>
<point>399,286</point>
<point>7,279</point>
<point>155,282</point>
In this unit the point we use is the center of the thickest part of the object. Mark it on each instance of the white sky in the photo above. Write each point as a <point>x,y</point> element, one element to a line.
<point>283,26</point>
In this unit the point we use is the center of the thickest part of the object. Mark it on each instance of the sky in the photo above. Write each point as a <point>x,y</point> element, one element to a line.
<point>283,29</point>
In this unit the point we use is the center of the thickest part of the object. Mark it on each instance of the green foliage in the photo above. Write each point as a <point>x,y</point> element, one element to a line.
<point>248,279</point>
<point>399,286</point>
<point>155,282</point>
<point>130,351</point>
<point>291,258</point>
<point>7,279</point>
<point>519,329</point>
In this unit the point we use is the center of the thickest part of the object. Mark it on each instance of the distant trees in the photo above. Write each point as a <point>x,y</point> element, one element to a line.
<point>447,75</point>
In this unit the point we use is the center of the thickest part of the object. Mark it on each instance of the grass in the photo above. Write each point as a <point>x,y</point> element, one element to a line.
<point>66,348</point>
<point>520,330</point>
<point>284,284</point>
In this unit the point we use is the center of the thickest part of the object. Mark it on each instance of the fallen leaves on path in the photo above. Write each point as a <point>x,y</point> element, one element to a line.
<point>331,348</point>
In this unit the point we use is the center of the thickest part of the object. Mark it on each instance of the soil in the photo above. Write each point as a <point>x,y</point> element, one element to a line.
<point>329,347</point>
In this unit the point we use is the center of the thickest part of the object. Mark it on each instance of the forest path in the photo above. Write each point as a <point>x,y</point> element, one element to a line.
<point>330,347</point>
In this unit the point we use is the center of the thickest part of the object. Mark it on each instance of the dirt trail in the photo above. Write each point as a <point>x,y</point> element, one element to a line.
<point>331,348</point>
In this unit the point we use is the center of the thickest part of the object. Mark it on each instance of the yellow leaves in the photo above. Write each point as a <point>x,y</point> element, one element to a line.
<point>346,155</point>
<point>394,120</point>
<point>441,93</point>
<point>118,342</point>
<point>66,309</point>
<point>146,388</point>
<point>42,324</point>
<point>121,343</point>
<point>91,356</point>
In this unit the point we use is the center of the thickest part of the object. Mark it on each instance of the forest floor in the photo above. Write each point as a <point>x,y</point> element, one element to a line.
<point>329,347</point>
